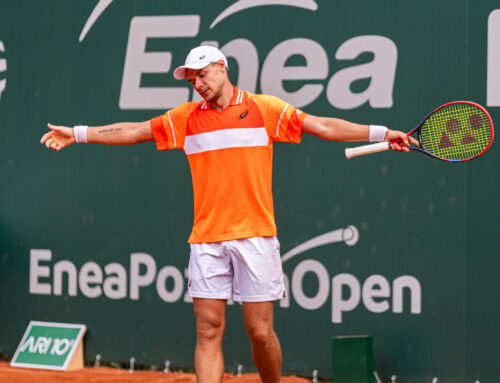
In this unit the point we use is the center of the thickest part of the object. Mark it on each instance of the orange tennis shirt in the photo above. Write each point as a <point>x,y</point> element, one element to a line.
<point>230,153</point>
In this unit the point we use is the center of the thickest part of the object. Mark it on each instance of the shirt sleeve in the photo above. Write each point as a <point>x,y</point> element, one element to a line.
<point>283,121</point>
<point>169,130</point>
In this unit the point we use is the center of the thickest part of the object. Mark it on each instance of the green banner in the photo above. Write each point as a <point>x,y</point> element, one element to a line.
<point>400,247</point>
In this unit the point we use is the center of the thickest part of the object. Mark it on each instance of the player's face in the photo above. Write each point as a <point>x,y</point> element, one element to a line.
<point>209,81</point>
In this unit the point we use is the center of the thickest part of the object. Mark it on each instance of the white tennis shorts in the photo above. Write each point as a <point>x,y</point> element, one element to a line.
<point>245,270</point>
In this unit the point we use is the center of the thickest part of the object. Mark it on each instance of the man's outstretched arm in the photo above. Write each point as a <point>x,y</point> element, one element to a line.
<point>123,133</point>
<point>335,129</point>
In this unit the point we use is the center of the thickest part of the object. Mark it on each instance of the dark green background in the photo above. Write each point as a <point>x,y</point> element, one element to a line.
<point>416,216</point>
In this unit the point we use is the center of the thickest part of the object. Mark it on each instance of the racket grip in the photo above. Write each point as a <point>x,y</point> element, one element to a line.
<point>367,149</point>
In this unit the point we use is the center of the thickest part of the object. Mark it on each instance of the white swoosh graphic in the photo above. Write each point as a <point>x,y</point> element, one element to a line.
<point>246,4</point>
<point>349,235</point>
<point>234,8</point>
<point>96,13</point>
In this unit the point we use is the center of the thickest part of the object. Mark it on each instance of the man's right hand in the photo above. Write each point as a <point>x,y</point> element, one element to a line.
<point>59,137</point>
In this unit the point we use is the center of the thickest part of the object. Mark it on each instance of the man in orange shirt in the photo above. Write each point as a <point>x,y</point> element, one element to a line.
<point>228,139</point>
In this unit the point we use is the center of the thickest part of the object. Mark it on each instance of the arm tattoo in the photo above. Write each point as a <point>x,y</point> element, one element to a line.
<point>108,130</point>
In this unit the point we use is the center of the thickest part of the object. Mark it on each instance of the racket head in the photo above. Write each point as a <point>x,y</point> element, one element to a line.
<point>457,131</point>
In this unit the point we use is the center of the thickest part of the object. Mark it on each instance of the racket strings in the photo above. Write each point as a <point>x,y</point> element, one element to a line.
<point>456,132</point>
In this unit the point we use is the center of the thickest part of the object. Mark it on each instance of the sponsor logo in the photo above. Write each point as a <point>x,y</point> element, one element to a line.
<point>49,345</point>
<point>201,57</point>
<point>43,345</point>
<point>243,114</point>
<point>116,281</point>
<point>3,68</point>
<point>273,72</point>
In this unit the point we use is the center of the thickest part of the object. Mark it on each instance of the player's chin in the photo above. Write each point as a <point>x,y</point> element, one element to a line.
<point>208,96</point>
<point>205,94</point>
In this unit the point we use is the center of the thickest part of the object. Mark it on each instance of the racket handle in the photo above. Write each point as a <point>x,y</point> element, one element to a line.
<point>367,149</point>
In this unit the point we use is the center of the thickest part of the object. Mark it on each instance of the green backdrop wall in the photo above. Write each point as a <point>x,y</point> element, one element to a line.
<point>97,235</point>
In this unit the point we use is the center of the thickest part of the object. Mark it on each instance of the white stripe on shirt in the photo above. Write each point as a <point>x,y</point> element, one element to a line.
<point>225,139</point>
<point>279,122</point>
<point>172,127</point>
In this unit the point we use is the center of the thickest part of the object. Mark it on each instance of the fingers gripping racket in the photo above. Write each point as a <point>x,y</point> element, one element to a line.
<point>455,132</point>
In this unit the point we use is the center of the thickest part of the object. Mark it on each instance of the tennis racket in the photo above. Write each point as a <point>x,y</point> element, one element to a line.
<point>455,132</point>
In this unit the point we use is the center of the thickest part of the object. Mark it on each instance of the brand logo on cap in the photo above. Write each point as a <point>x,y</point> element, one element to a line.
<point>201,57</point>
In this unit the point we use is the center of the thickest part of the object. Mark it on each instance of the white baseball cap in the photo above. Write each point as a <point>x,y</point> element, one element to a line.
<point>199,58</point>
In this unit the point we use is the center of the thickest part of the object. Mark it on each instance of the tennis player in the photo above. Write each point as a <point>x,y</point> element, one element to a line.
<point>228,139</point>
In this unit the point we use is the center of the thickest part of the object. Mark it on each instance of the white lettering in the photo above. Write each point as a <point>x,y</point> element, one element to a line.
<point>115,285</point>
<point>381,72</point>
<point>274,71</point>
<point>321,273</point>
<point>42,345</point>
<point>493,66</point>
<point>138,61</point>
<point>30,342</point>
<point>370,292</point>
<point>347,292</point>
<point>90,273</point>
<point>39,344</point>
<point>136,279</point>
<point>161,284</point>
<point>415,294</point>
<point>68,268</point>
<point>339,304</point>
<point>37,271</point>
<point>61,346</point>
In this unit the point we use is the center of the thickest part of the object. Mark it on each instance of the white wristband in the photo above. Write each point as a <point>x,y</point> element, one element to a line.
<point>80,133</point>
<point>377,133</point>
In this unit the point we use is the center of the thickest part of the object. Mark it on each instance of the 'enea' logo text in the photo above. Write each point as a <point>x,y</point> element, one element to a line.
<point>272,71</point>
<point>271,67</point>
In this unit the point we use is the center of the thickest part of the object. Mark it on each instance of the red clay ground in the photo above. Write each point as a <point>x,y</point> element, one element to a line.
<point>10,374</point>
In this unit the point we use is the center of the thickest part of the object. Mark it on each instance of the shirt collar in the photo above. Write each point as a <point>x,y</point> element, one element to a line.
<point>237,96</point>
<point>237,99</point>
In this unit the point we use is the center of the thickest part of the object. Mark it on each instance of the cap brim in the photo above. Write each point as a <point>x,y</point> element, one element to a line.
<point>180,72</point>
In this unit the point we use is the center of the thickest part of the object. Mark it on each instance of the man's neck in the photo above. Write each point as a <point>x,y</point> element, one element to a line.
<point>225,98</point>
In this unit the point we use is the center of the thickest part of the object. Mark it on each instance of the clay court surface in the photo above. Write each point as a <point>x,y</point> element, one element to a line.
<point>10,374</point>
